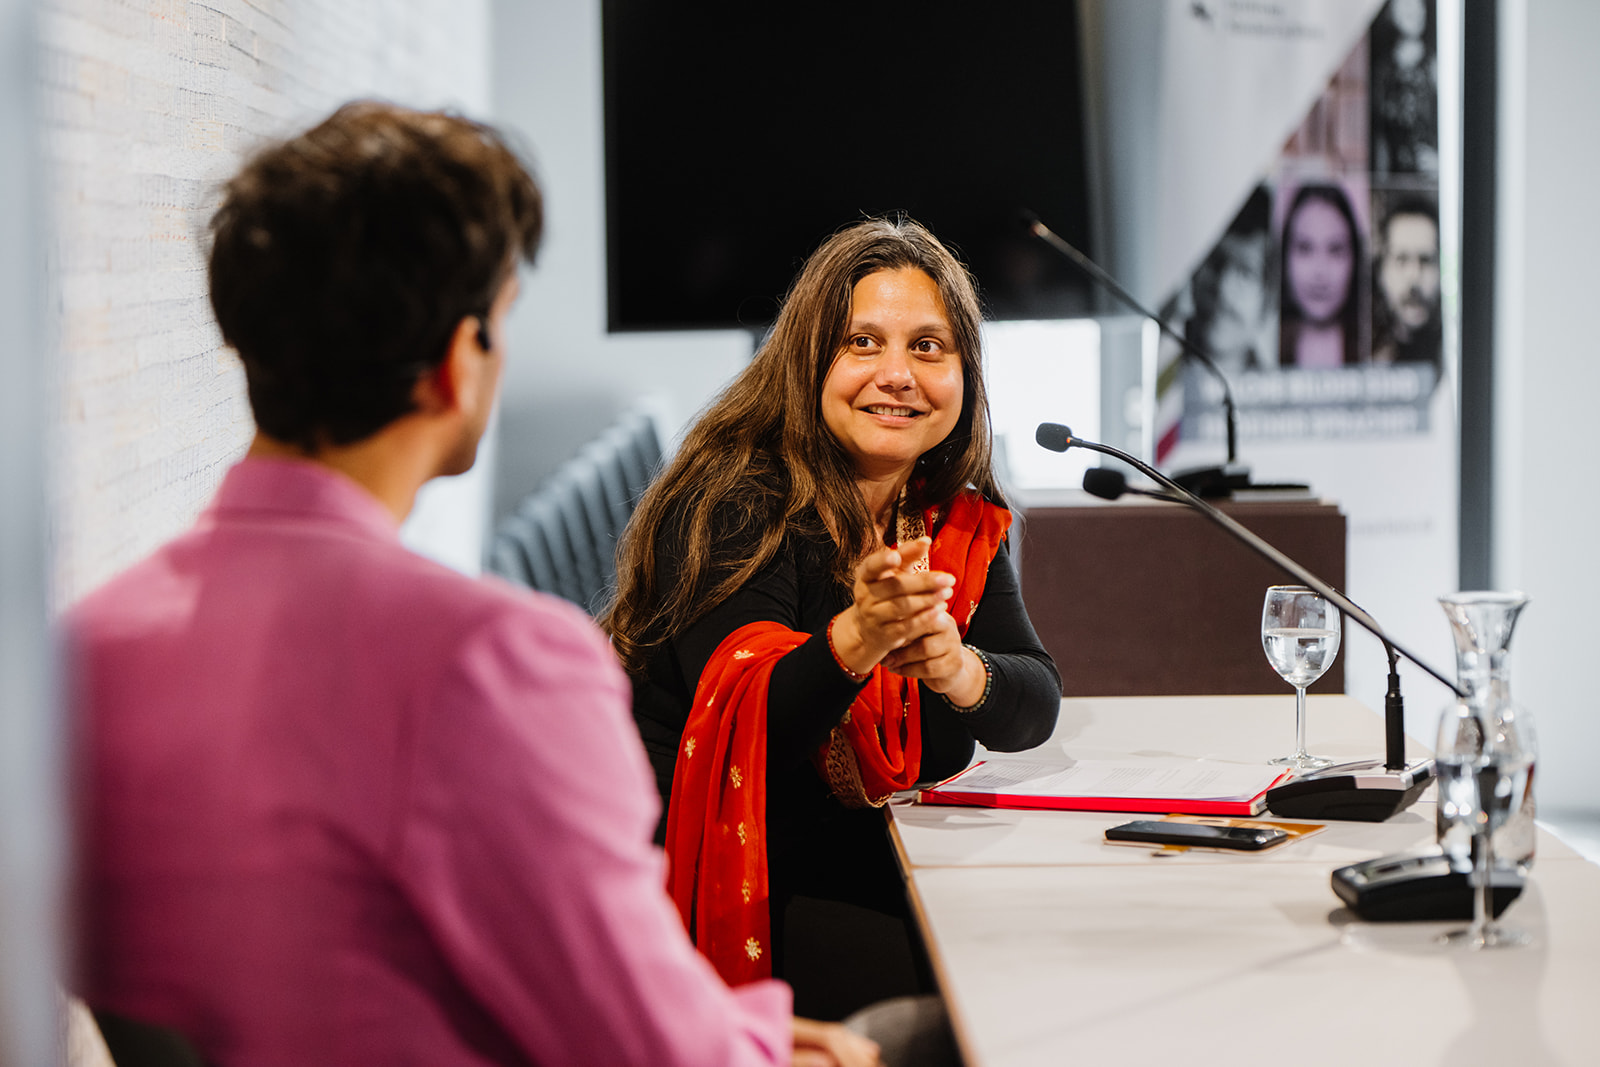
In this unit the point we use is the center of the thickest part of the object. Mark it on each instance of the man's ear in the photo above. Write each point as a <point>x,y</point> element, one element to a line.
<point>454,381</point>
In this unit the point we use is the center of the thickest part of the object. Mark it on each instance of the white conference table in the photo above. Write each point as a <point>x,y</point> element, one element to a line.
<point>1053,947</point>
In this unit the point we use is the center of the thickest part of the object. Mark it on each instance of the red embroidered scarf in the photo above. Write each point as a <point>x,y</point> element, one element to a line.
<point>716,821</point>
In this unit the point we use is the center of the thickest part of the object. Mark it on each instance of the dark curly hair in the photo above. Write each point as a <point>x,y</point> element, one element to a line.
<point>343,259</point>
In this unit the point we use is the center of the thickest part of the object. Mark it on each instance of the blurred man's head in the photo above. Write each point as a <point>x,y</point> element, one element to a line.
<point>1408,270</point>
<point>1231,287</point>
<point>1230,291</point>
<point>345,260</point>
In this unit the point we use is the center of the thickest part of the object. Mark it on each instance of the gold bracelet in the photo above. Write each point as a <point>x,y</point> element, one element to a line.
<point>855,676</point>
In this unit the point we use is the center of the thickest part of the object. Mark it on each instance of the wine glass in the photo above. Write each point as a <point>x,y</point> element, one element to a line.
<point>1300,632</point>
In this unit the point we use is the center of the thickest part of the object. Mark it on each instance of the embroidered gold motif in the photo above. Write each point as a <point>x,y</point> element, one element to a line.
<point>735,777</point>
<point>688,749</point>
<point>743,653</point>
<point>843,772</point>
<point>752,948</point>
<point>741,833</point>
<point>909,527</point>
<point>745,889</point>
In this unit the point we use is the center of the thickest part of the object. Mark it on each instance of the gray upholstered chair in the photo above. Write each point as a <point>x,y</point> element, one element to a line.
<point>562,537</point>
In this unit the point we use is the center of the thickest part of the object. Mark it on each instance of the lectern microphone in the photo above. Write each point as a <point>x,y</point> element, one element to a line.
<point>1108,484</point>
<point>1369,791</point>
<point>1207,481</point>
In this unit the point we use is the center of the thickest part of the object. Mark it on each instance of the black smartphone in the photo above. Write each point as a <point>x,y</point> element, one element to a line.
<point>1203,835</point>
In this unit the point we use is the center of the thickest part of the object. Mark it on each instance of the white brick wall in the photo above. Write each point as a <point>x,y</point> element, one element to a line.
<point>146,105</point>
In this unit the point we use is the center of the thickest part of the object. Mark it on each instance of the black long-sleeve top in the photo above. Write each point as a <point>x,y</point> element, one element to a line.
<point>815,845</point>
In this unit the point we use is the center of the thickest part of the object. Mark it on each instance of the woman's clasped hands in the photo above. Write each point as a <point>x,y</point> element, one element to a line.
<point>901,619</point>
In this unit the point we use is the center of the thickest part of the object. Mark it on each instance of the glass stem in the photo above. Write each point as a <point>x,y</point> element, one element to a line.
<point>1300,721</point>
<point>1482,864</point>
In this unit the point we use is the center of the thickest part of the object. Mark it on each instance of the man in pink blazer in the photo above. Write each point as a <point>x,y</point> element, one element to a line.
<point>339,804</point>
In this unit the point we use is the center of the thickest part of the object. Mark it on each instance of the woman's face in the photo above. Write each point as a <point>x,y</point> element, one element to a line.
<point>1319,257</point>
<point>895,388</point>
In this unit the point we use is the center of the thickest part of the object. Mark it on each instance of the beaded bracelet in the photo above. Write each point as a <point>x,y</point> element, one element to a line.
<point>988,681</point>
<point>854,676</point>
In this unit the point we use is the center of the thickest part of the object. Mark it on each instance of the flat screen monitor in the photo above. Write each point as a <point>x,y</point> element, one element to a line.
<point>738,136</point>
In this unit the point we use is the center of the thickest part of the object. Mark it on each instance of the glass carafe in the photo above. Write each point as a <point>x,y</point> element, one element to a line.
<point>1485,757</point>
<point>1487,729</point>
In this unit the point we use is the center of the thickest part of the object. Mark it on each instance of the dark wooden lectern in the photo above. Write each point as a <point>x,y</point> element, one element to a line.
<point>1145,598</point>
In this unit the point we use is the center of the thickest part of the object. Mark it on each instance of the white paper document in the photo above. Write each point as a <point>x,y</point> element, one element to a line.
<point>1186,780</point>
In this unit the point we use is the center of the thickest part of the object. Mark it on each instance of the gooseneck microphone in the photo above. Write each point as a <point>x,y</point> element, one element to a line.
<point>1058,438</point>
<point>1207,480</point>
<point>1108,484</point>
<point>1344,791</point>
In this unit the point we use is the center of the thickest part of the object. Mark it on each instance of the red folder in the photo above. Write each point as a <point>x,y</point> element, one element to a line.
<point>950,792</point>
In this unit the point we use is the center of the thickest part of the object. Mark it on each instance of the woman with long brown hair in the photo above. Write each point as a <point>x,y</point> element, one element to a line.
<point>817,609</point>
<point>1320,318</point>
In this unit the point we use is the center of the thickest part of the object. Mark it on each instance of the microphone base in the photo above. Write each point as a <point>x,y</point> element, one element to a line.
<point>1213,482</point>
<point>1419,886</point>
<point>1365,791</point>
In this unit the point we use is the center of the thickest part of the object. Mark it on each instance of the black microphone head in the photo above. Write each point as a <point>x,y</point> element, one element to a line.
<point>1105,483</point>
<point>1028,218</point>
<point>1054,436</point>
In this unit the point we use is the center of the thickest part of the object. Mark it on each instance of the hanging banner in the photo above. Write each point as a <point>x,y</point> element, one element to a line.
<point>1318,291</point>
<point>1298,237</point>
